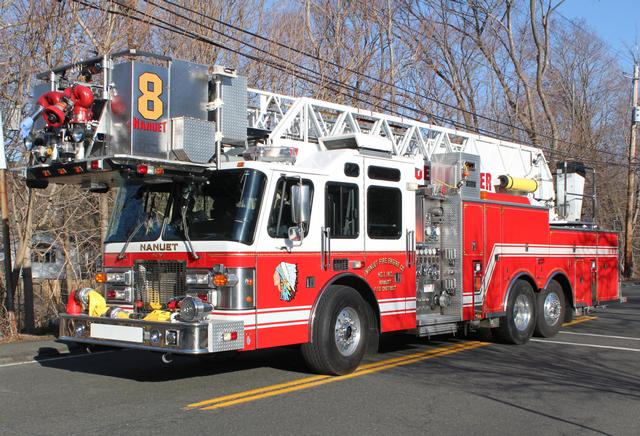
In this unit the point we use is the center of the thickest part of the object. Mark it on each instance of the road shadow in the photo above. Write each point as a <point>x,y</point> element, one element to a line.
<point>583,371</point>
<point>147,366</point>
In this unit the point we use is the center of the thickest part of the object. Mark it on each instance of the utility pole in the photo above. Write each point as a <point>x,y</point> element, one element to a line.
<point>631,177</point>
<point>6,238</point>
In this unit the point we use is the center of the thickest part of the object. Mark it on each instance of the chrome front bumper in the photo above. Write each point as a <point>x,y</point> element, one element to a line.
<point>208,336</point>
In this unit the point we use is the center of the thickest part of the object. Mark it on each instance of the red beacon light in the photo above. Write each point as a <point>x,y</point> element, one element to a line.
<point>96,165</point>
<point>142,169</point>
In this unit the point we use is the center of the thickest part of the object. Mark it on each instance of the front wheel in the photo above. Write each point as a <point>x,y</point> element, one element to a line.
<point>551,310</point>
<point>516,327</point>
<point>339,332</point>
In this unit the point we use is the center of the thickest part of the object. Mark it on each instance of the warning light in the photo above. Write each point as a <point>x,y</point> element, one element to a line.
<point>142,169</point>
<point>77,169</point>
<point>96,165</point>
<point>101,277</point>
<point>230,336</point>
<point>220,280</point>
<point>61,171</point>
<point>204,297</point>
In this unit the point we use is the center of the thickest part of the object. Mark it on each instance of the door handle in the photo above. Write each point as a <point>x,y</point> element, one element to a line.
<point>325,248</point>
<point>410,252</point>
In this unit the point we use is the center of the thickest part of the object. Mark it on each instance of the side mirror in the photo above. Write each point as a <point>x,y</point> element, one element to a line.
<point>295,234</point>
<point>300,204</point>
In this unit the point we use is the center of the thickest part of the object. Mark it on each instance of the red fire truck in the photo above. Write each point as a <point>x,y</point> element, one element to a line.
<point>246,219</point>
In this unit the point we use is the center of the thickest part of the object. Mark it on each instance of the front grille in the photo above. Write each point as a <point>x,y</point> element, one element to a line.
<point>158,281</point>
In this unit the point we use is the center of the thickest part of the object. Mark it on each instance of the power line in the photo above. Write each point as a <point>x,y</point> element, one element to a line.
<point>479,130</point>
<point>174,29</point>
<point>336,65</point>
<point>364,75</point>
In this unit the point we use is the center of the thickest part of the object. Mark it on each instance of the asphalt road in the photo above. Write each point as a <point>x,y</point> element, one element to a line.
<point>586,380</point>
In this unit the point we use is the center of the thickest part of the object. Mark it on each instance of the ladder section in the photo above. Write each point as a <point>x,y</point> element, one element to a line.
<point>307,119</point>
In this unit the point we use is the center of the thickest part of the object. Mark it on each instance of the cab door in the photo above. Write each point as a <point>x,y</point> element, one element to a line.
<point>342,235</point>
<point>287,270</point>
<point>389,230</point>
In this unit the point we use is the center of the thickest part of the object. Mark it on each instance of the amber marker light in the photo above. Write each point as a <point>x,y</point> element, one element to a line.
<point>220,280</point>
<point>101,278</point>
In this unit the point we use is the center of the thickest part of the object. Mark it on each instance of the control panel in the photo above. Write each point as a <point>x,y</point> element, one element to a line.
<point>438,264</point>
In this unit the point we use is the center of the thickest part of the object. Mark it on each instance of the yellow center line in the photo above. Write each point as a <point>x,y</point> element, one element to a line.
<point>579,320</point>
<point>309,382</point>
<point>310,379</point>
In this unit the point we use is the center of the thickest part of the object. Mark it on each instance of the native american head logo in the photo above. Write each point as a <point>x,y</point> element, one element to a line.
<point>285,278</point>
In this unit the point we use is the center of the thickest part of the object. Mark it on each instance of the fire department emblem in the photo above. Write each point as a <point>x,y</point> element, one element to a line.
<point>285,278</point>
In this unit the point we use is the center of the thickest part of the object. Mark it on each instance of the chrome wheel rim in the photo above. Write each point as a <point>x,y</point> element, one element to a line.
<point>522,312</point>
<point>552,308</point>
<point>347,331</point>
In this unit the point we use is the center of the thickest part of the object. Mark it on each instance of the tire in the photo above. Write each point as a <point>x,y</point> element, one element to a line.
<point>550,309</point>
<point>339,333</point>
<point>517,326</point>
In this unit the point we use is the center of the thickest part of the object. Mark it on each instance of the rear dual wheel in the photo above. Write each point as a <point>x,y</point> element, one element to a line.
<point>517,326</point>
<point>551,309</point>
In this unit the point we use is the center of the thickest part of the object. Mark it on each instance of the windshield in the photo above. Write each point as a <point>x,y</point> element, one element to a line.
<point>139,209</point>
<point>224,208</point>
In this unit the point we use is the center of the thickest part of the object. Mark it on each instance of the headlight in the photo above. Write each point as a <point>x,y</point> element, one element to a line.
<point>193,309</point>
<point>119,277</point>
<point>198,278</point>
<point>125,294</point>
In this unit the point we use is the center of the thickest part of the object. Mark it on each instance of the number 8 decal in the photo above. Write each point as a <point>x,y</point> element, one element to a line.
<point>149,104</point>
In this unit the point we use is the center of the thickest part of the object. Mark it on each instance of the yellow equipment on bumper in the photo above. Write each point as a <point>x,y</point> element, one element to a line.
<point>158,315</point>
<point>97,304</point>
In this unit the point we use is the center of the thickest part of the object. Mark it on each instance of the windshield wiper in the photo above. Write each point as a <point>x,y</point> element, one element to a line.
<point>146,220</point>
<point>131,235</point>
<point>185,229</point>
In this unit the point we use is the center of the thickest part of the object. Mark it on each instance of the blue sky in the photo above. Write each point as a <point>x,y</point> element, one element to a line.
<point>616,21</point>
